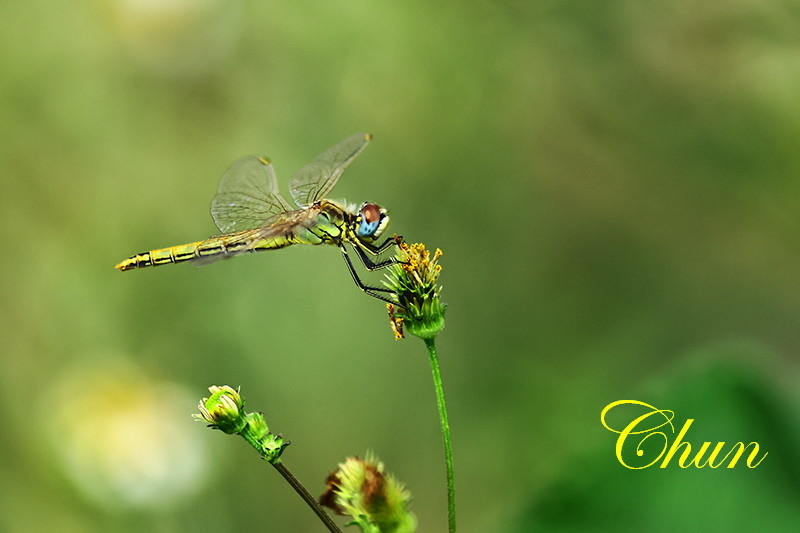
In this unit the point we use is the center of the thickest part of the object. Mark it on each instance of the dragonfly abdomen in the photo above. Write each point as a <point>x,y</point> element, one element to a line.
<point>208,250</point>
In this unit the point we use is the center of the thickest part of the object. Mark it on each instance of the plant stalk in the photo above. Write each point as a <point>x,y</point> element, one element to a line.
<point>308,498</point>
<point>448,447</point>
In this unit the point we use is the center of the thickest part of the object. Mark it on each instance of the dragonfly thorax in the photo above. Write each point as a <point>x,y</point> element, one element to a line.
<point>371,221</point>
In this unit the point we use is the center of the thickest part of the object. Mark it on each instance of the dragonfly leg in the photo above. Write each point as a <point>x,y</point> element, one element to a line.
<point>369,263</point>
<point>372,291</point>
<point>379,249</point>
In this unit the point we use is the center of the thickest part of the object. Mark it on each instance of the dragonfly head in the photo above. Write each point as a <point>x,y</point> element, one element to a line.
<point>371,221</point>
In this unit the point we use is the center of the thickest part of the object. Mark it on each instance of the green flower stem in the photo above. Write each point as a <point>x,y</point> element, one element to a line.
<point>448,447</point>
<point>308,498</point>
<point>294,482</point>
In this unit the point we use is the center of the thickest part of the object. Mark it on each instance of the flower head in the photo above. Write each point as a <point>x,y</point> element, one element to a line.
<point>415,282</point>
<point>376,501</point>
<point>223,410</point>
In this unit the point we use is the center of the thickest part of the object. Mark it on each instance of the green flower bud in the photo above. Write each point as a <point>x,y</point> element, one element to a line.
<point>222,410</point>
<point>256,426</point>
<point>272,446</point>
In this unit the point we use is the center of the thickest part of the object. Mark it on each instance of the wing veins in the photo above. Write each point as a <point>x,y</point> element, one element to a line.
<point>247,195</point>
<point>315,180</point>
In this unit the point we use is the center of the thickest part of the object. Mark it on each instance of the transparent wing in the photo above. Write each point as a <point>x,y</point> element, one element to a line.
<point>247,196</point>
<point>315,180</point>
<point>277,231</point>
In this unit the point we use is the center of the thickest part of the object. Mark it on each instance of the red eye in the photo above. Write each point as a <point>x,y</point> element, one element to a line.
<point>371,213</point>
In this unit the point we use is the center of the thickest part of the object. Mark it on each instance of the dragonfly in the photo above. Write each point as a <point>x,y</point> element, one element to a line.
<point>253,216</point>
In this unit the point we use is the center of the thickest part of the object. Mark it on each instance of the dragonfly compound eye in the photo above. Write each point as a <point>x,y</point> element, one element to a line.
<point>372,220</point>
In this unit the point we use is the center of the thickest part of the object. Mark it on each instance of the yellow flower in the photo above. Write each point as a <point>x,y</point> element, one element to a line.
<point>415,282</point>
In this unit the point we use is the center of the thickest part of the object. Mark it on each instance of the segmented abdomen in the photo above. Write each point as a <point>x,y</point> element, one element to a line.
<point>209,250</point>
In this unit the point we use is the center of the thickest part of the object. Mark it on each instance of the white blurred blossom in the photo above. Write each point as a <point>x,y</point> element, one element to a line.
<point>125,440</point>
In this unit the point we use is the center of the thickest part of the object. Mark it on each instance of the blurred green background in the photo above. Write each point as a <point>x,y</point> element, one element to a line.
<point>614,185</point>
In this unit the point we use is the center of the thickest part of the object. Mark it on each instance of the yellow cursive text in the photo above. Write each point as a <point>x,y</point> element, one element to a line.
<point>653,420</point>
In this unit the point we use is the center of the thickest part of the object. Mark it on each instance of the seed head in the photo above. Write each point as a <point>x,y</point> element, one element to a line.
<point>375,500</point>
